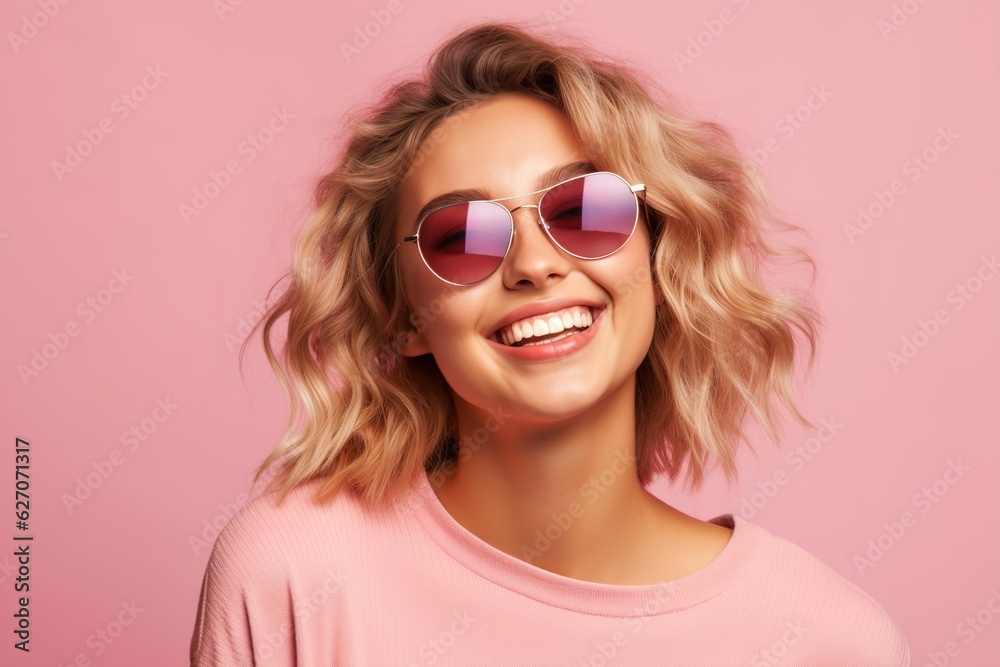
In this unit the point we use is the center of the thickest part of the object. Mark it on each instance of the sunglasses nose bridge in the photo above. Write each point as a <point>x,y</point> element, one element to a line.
<point>525,239</point>
<point>538,216</point>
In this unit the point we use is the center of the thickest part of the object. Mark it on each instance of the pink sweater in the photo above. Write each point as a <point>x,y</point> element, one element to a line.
<point>348,585</point>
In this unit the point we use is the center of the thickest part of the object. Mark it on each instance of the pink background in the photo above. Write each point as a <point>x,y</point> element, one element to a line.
<point>162,336</point>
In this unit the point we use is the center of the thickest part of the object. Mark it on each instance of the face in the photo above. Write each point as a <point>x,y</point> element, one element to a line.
<point>502,147</point>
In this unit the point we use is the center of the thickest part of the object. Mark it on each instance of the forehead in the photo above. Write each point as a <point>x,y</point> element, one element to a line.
<point>500,146</point>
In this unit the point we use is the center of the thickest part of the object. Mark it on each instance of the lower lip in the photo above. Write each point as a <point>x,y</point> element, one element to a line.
<point>555,350</point>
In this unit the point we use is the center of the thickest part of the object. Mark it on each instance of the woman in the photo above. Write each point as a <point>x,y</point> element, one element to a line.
<point>527,288</point>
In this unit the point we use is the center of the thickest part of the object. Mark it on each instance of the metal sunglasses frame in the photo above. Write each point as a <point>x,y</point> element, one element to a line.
<point>636,189</point>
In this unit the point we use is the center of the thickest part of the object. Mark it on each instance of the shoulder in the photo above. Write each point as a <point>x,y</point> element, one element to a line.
<point>269,562</point>
<point>269,548</point>
<point>833,616</point>
<point>266,540</point>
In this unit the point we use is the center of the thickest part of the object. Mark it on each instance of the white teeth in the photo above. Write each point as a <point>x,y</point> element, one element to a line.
<point>550,340</point>
<point>576,316</point>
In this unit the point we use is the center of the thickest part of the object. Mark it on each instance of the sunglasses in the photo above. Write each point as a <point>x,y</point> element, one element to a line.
<point>589,216</point>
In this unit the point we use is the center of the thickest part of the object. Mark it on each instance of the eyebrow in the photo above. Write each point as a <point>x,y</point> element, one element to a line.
<point>553,176</point>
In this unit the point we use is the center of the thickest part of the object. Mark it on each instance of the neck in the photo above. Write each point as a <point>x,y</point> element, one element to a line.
<point>564,496</point>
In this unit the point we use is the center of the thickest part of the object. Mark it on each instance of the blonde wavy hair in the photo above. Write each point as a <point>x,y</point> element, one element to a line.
<point>723,342</point>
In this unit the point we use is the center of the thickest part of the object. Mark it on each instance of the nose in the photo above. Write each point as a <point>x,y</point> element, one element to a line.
<point>533,257</point>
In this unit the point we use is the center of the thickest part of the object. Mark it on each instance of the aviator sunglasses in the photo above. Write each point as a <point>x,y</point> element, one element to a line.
<point>589,216</point>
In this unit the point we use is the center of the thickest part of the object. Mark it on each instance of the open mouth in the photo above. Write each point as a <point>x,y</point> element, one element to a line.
<point>547,328</point>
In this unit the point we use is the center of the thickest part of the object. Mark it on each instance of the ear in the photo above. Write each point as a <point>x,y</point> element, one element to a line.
<point>413,343</point>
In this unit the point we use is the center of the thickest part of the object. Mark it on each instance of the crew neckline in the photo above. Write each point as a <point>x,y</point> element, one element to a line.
<point>587,597</point>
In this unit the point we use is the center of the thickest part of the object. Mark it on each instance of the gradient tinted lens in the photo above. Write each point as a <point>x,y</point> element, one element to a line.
<point>464,243</point>
<point>590,216</point>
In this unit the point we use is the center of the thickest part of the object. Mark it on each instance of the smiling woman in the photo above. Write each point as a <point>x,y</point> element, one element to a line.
<point>528,288</point>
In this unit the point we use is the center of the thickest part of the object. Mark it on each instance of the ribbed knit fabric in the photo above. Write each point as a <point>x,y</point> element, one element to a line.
<point>346,584</point>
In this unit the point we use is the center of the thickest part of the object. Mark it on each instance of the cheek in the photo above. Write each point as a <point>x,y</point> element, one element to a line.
<point>429,300</point>
<point>445,314</point>
<point>633,280</point>
<point>634,293</point>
